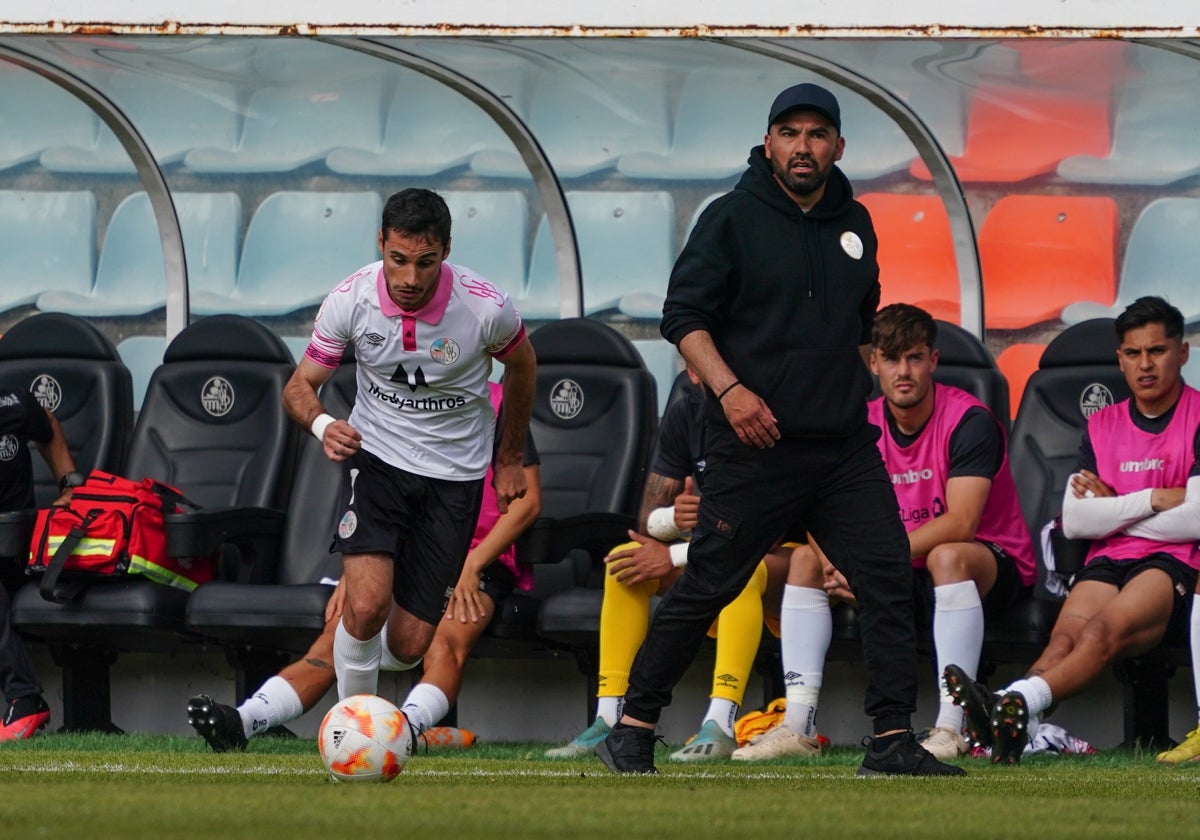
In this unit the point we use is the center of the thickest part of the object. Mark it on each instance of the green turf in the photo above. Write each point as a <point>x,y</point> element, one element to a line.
<point>85,786</point>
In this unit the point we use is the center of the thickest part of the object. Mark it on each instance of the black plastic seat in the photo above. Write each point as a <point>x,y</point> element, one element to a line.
<point>73,370</point>
<point>213,425</point>
<point>264,625</point>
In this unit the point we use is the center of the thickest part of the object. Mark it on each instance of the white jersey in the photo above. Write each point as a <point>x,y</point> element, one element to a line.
<point>422,401</point>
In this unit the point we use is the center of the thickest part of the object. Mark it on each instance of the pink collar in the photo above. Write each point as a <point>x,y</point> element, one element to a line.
<point>431,312</point>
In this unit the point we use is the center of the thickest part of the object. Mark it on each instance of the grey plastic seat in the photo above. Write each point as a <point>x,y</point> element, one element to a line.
<point>299,245</point>
<point>47,241</point>
<point>130,277</point>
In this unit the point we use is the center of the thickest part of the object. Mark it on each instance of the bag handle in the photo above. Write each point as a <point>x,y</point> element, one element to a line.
<point>49,586</point>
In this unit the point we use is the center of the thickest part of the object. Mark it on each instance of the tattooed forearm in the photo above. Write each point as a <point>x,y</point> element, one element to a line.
<point>660,492</point>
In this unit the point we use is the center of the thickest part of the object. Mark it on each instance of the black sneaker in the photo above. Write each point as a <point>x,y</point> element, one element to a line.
<point>629,749</point>
<point>218,724</point>
<point>1010,728</point>
<point>975,701</point>
<point>903,757</point>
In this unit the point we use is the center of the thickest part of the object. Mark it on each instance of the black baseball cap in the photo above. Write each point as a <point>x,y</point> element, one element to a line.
<point>808,97</point>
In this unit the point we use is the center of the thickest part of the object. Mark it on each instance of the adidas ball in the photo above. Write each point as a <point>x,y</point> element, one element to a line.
<point>365,738</point>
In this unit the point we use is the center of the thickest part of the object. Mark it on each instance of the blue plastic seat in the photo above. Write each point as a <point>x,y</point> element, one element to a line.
<point>453,129</point>
<point>664,363</point>
<point>1160,259</point>
<point>626,247</point>
<point>490,235</point>
<point>1154,138</point>
<point>47,241</point>
<point>142,354</point>
<point>586,122</point>
<point>36,114</point>
<point>130,277</point>
<point>289,126</point>
<point>299,245</point>
<point>173,118</point>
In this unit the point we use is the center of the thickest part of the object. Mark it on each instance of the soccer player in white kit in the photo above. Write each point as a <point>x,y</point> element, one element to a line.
<point>418,442</point>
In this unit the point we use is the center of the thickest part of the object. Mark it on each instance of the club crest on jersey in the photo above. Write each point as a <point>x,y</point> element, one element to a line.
<point>1093,398</point>
<point>348,525</point>
<point>445,351</point>
<point>566,399</point>
<point>46,391</point>
<point>217,396</point>
<point>8,447</point>
<point>851,244</point>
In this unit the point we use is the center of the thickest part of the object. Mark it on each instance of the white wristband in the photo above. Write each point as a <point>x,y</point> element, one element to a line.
<point>679,552</point>
<point>660,524</point>
<point>320,425</point>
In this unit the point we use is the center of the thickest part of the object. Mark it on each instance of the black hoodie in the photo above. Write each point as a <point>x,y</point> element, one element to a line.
<point>787,296</point>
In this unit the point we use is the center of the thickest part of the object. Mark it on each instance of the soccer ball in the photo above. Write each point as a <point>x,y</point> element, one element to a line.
<point>365,738</point>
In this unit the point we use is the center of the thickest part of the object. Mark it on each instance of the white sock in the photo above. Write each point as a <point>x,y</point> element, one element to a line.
<point>723,712</point>
<point>275,703</point>
<point>424,706</point>
<point>388,662</point>
<point>957,639</point>
<point>805,628</point>
<point>1036,691</point>
<point>609,709</point>
<point>1195,642</point>
<point>356,663</point>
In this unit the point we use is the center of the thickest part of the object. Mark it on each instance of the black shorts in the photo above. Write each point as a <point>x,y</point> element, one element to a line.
<point>1120,572</point>
<point>1006,592</point>
<point>498,582</point>
<point>424,524</point>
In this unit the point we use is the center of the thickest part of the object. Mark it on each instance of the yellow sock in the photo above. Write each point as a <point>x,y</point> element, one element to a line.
<point>624,616</point>
<point>739,629</point>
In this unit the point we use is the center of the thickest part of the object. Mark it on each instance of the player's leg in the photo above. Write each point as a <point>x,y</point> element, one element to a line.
<point>25,711</point>
<point>430,566</point>
<point>962,573</point>
<point>738,631</point>
<point>806,628</point>
<point>357,650</point>
<point>1189,749</point>
<point>624,616</point>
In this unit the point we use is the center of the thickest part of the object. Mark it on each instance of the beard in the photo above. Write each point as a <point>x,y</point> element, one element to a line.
<point>802,185</point>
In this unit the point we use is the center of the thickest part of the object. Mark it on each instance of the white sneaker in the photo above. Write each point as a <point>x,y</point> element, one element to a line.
<point>944,743</point>
<point>777,743</point>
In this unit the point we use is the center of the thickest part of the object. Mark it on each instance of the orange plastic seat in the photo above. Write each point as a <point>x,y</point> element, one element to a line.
<point>1015,132</point>
<point>916,252</point>
<point>1040,253</point>
<point>1018,362</point>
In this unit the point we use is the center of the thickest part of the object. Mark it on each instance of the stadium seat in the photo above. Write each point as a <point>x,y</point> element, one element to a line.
<point>47,241</point>
<point>1015,132</point>
<point>299,245</point>
<point>715,128</point>
<point>453,129</point>
<point>74,371</point>
<point>264,625</point>
<point>1040,253</point>
<point>35,114</point>
<point>490,234</point>
<point>626,248</point>
<point>213,425</point>
<point>142,354</point>
<point>585,124</point>
<point>289,126</point>
<point>1160,259</point>
<point>594,423</point>
<point>173,118</point>
<point>916,252</point>
<point>1018,362</point>
<point>664,363</point>
<point>131,278</point>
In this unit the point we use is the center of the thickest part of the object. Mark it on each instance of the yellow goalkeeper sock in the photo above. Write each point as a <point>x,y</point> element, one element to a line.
<point>624,616</point>
<point>739,630</point>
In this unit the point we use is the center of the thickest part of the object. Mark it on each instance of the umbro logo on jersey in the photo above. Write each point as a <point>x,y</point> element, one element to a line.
<point>374,339</point>
<point>414,381</point>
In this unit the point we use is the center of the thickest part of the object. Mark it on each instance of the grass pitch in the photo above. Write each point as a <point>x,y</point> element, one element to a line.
<point>99,786</point>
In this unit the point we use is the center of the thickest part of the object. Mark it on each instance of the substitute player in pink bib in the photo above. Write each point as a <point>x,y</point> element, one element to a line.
<point>419,440</point>
<point>1136,496</point>
<point>971,553</point>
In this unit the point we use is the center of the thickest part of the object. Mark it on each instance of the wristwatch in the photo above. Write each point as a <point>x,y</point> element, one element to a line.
<point>71,479</point>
